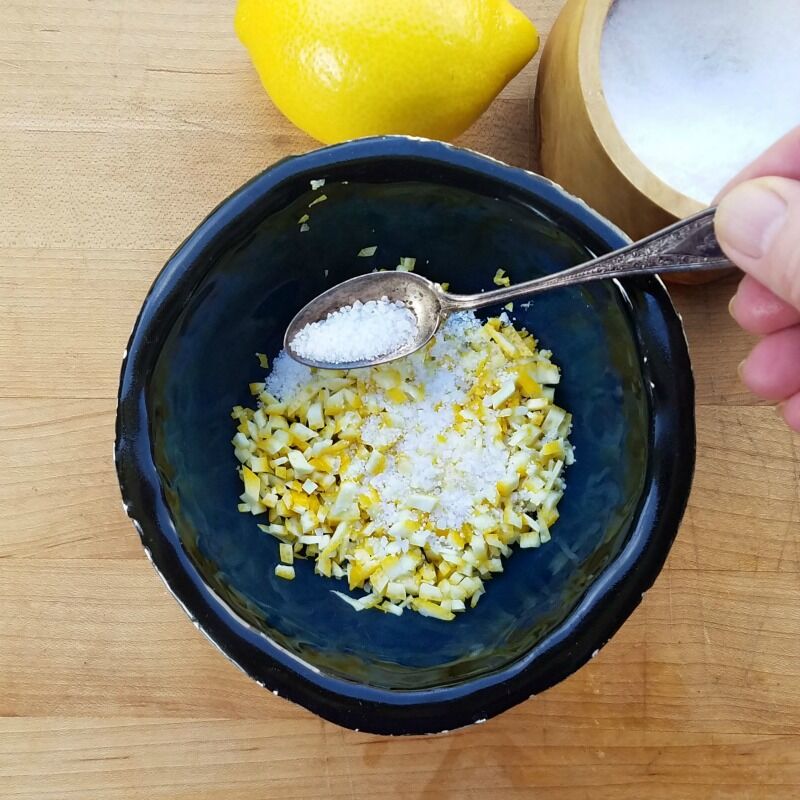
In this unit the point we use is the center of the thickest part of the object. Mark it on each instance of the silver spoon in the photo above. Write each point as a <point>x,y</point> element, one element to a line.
<point>688,246</point>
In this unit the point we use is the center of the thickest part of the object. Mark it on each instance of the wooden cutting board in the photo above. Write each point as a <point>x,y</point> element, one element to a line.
<point>121,125</point>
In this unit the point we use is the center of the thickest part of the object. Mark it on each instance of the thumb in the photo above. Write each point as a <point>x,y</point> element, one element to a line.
<point>758,227</point>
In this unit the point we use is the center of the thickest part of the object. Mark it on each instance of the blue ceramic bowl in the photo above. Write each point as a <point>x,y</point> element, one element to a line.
<point>230,290</point>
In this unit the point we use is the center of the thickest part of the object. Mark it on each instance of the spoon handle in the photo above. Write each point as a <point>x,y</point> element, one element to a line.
<point>687,246</point>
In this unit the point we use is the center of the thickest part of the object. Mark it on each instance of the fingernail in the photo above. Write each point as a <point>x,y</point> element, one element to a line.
<point>740,368</point>
<point>730,307</point>
<point>749,217</point>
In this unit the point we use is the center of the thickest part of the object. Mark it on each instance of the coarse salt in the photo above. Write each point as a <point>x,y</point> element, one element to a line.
<point>360,332</point>
<point>461,470</point>
<point>698,88</point>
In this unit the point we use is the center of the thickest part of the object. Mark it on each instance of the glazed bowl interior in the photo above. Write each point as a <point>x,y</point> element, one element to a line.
<point>243,306</point>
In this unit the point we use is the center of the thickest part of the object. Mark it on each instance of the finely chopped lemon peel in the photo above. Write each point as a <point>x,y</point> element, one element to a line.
<point>411,481</point>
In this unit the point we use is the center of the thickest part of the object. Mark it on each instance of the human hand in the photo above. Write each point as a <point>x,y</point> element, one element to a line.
<point>758,227</point>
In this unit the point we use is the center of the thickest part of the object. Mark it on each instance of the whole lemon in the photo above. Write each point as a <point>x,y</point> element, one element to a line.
<point>340,69</point>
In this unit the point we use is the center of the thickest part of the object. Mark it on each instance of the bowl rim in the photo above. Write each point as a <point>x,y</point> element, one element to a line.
<point>606,604</point>
<point>590,76</point>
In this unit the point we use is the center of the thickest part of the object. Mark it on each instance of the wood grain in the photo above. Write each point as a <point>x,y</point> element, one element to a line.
<point>239,759</point>
<point>121,125</point>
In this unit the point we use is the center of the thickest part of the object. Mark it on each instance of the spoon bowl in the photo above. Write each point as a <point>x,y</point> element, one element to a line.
<point>422,297</point>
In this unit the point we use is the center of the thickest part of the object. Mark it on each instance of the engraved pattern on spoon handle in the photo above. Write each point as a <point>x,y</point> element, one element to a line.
<point>687,246</point>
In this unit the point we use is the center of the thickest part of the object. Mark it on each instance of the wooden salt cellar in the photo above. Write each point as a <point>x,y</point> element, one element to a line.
<point>579,144</point>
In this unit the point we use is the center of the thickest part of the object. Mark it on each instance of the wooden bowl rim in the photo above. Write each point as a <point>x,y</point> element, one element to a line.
<point>626,161</point>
